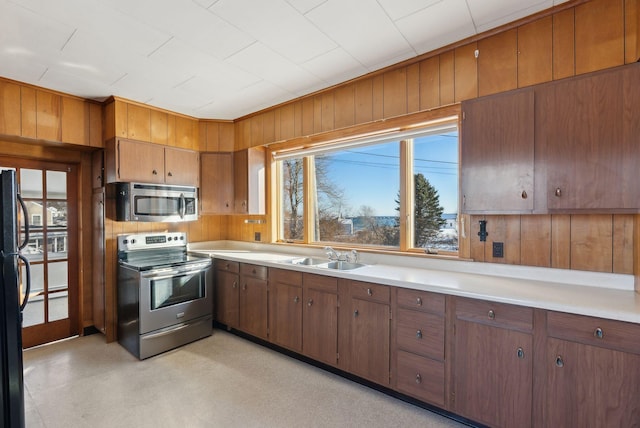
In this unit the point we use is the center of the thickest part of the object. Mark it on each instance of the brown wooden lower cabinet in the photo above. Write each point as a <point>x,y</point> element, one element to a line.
<point>592,372</point>
<point>472,357</point>
<point>285,308</point>
<point>320,318</point>
<point>493,363</point>
<point>253,300</point>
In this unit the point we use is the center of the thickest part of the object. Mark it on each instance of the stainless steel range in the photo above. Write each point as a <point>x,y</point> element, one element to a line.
<point>164,294</point>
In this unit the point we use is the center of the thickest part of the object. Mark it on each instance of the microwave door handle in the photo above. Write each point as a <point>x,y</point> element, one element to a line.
<point>183,206</point>
<point>26,222</point>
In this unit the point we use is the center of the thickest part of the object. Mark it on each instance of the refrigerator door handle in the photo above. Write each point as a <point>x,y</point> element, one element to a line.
<point>26,223</point>
<point>27,269</point>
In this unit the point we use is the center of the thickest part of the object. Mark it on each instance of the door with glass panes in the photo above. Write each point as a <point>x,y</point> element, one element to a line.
<point>50,195</point>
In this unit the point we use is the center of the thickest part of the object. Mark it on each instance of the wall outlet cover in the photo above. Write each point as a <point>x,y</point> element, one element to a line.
<point>498,249</point>
<point>256,236</point>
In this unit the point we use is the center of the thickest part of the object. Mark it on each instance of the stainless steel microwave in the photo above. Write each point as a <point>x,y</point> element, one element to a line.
<point>156,202</point>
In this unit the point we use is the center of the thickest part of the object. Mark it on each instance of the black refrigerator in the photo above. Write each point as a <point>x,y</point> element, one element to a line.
<point>12,387</point>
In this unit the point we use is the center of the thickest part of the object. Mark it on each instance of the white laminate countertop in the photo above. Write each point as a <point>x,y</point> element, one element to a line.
<point>587,293</point>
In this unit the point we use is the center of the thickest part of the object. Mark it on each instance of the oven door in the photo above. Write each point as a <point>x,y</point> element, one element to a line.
<point>168,207</point>
<point>175,295</point>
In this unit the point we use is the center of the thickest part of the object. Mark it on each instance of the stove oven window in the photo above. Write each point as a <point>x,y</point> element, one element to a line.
<point>177,289</point>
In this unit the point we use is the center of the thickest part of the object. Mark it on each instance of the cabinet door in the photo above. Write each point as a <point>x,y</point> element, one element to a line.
<point>139,162</point>
<point>285,315</point>
<point>369,340</point>
<point>320,326</point>
<point>226,298</point>
<point>580,149</point>
<point>497,151</point>
<point>216,191</point>
<point>588,386</point>
<point>181,167</point>
<point>249,181</point>
<point>493,375</point>
<point>253,306</point>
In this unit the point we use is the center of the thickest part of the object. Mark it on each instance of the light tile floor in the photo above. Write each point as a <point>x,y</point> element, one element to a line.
<point>220,381</point>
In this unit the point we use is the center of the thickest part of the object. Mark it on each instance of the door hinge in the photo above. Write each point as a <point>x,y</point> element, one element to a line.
<point>390,314</point>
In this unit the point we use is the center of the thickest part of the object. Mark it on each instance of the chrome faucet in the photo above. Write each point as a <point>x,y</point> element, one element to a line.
<point>332,254</point>
<point>352,257</point>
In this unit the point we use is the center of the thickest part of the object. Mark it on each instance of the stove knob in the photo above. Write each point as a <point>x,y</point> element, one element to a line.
<point>169,239</point>
<point>125,241</point>
<point>182,237</point>
<point>133,241</point>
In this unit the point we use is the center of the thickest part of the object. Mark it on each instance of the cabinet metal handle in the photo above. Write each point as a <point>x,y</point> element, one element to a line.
<point>170,174</point>
<point>310,302</point>
<point>524,194</point>
<point>559,361</point>
<point>419,334</point>
<point>418,378</point>
<point>244,287</point>
<point>296,299</point>
<point>355,313</point>
<point>520,353</point>
<point>369,292</point>
<point>235,284</point>
<point>419,301</point>
<point>227,266</point>
<point>154,172</point>
<point>598,333</point>
<point>491,314</point>
<point>558,192</point>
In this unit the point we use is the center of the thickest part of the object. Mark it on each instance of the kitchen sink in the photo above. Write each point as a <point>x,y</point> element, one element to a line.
<point>342,265</point>
<point>306,261</point>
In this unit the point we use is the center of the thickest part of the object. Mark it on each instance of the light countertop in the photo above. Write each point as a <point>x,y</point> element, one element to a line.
<point>587,293</point>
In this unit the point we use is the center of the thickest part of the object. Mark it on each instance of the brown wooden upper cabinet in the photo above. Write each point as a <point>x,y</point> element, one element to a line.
<point>249,181</point>
<point>587,151</point>
<point>565,146</point>
<point>216,192</point>
<point>497,153</point>
<point>137,161</point>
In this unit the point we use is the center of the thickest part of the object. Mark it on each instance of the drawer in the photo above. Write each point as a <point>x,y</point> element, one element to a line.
<point>369,291</point>
<point>285,276</point>
<point>255,271</point>
<point>420,333</point>
<point>420,300</point>
<point>611,334</point>
<point>226,265</point>
<point>327,284</point>
<point>421,378</point>
<point>495,314</point>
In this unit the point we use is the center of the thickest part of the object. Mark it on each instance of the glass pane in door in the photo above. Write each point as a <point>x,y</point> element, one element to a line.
<point>34,311</point>
<point>58,296</point>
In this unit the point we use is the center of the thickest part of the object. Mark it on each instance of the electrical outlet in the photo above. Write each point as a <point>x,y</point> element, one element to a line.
<point>498,249</point>
<point>256,236</point>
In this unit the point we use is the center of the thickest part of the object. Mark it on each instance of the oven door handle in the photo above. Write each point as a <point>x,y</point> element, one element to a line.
<point>174,329</point>
<point>173,273</point>
<point>183,206</point>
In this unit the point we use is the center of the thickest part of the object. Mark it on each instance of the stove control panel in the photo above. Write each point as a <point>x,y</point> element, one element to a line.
<point>147,241</point>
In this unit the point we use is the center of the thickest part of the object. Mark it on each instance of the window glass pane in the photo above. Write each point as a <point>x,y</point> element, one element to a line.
<point>31,183</point>
<point>292,204</point>
<point>58,306</point>
<point>35,247</point>
<point>58,294</point>
<point>435,169</point>
<point>56,185</point>
<point>34,311</point>
<point>357,195</point>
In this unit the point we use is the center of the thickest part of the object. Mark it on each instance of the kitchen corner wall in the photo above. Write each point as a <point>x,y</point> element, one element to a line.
<point>571,39</point>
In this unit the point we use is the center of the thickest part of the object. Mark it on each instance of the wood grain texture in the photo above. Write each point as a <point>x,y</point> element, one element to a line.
<point>138,122</point>
<point>395,93</point>
<point>599,32</point>
<point>564,44</point>
<point>466,72</point>
<point>591,242</point>
<point>430,83</point>
<point>48,106</point>
<point>447,78</point>
<point>364,101</point>
<point>345,109</point>
<point>535,52</point>
<point>631,28</point>
<point>536,240</point>
<point>9,108</point>
<point>413,88</point>
<point>623,232</point>
<point>498,63</point>
<point>159,131</point>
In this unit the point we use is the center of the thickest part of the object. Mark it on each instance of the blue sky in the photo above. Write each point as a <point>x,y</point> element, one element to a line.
<point>370,175</point>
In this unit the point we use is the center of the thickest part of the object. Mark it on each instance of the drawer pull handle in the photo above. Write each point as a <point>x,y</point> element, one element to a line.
<point>227,266</point>
<point>154,172</point>
<point>355,313</point>
<point>244,287</point>
<point>558,192</point>
<point>235,284</point>
<point>310,302</point>
<point>419,334</point>
<point>419,301</point>
<point>491,314</point>
<point>559,361</point>
<point>418,378</point>
<point>253,271</point>
<point>520,353</point>
<point>598,333</point>
<point>369,292</point>
<point>524,194</point>
<point>296,299</point>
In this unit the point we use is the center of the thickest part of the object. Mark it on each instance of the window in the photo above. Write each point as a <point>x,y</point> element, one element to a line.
<point>397,190</point>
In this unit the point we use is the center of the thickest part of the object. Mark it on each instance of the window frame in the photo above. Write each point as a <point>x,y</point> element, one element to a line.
<point>379,136</point>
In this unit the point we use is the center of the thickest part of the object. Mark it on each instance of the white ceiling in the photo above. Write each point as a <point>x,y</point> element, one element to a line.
<point>223,59</point>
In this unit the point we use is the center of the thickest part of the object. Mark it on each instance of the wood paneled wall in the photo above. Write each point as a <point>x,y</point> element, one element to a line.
<point>572,39</point>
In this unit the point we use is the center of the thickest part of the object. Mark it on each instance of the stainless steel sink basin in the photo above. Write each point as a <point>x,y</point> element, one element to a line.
<point>342,265</point>
<point>307,261</point>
